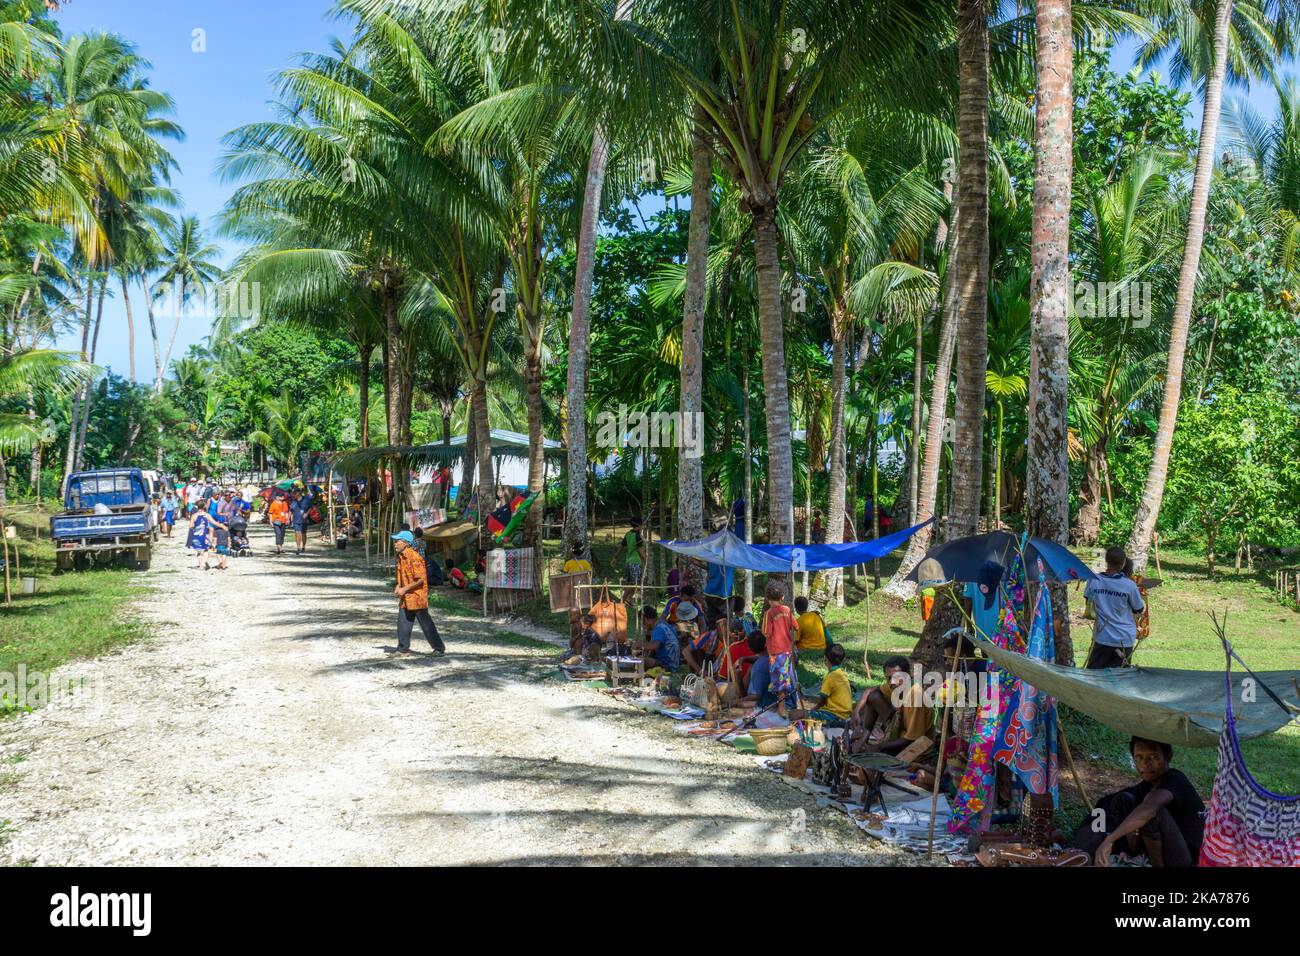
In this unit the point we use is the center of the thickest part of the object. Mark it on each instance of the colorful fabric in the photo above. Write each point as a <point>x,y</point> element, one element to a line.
<point>1027,742</point>
<point>976,785</point>
<point>511,569</point>
<point>780,628</point>
<point>781,677</point>
<point>1247,825</point>
<point>412,573</point>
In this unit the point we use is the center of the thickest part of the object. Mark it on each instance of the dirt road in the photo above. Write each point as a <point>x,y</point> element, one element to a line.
<point>264,724</point>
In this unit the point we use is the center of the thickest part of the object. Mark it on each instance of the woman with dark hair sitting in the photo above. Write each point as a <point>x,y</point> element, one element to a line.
<point>1162,817</point>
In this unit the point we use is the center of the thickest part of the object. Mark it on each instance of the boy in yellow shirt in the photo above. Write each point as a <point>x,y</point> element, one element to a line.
<point>812,629</point>
<point>577,562</point>
<point>834,704</point>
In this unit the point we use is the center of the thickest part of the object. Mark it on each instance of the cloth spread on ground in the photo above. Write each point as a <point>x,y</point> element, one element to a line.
<point>511,569</point>
<point>976,786</point>
<point>1248,825</point>
<point>1179,707</point>
<point>1028,740</point>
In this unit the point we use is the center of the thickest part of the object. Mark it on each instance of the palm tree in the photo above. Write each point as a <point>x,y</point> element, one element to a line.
<point>286,428</point>
<point>1148,510</point>
<point>1047,508</point>
<point>575,511</point>
<point>972,264</point>
<point>23,372</point>
<point>187,271</point>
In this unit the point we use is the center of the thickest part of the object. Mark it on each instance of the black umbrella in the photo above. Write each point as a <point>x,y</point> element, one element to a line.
<point>964,558</point>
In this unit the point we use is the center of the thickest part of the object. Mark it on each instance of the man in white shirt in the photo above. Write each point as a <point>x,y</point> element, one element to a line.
<point>1115,599</point>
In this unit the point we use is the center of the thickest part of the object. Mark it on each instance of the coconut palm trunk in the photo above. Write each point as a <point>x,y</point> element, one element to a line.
<point>153,333</point>
<point>575,511</point>
<point>1148,510</point>
<point>584,271</point>
<point>826,585</point>
<point>932,459</point>
<point>690,481</point>
<point>776,389</point>
<point>972,265</point>
<point>1047,492</point>
<point>130,327</point>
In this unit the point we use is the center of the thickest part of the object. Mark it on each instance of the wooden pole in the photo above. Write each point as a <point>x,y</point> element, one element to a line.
<point>943,740</point>
<point>1069,759</point>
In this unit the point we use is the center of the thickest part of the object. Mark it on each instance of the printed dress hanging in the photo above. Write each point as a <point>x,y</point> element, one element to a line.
<point>976,785</point>
<point>1247,824</point>
<point>1027,742</point>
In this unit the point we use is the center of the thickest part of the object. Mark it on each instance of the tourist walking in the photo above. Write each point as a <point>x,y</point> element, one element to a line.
<point>298,515</point>
<point>412,592</point>
<point>279,513</point>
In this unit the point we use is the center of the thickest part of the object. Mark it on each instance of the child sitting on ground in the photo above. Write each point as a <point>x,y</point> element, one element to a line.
<point>455,576</point>
<point>835,701</point>
<point>586,639</point>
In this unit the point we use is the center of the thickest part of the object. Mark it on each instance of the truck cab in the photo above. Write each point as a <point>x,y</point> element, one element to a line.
<point>108,516</point>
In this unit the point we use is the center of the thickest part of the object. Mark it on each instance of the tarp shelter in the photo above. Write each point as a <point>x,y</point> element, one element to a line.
<point>1178,707</point>
<point>725,549</point>
<point>963,558</point>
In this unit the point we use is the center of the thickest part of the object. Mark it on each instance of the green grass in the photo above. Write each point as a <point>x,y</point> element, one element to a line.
<point>73,615</point>
<point>1265,633</point>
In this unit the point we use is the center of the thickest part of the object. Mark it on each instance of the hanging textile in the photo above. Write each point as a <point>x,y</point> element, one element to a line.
<point>511,569</point>
<point>1027,742</point>
<point>976,786</point>
<point>1247,825</point>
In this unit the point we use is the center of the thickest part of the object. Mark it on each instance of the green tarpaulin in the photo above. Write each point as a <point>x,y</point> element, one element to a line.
<point>1175,706</point>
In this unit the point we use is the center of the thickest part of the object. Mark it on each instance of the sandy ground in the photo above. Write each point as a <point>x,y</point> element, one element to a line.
<point>264,724</point>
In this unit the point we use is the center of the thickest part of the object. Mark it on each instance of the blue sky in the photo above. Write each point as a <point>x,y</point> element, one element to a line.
<point>215,91</point>
<point>230,84</point>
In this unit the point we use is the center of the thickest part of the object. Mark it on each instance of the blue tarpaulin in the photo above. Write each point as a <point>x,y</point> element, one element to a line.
<point>724,548</point>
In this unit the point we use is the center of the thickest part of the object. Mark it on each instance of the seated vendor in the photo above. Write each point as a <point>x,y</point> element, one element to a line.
<point>876,711</point>
<point>760,674</point>
<point>1161,818</point>
<point>812,629</point>
<point>586,638</point>
<point>742,622</point>
<point>576,561</point>
<point>659,648</point>
<point>686,599</point>
<point>834,704</point>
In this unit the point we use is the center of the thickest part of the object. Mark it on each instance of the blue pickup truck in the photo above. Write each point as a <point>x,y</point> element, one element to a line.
<point>108,516</point>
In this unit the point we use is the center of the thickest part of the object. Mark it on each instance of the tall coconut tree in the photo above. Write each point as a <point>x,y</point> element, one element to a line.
<point>1214,73</point>
<point>1047,497</point>
<point>972,196</point>
<point>575,511</point>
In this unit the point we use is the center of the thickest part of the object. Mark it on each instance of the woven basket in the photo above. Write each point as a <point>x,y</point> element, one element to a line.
<point>770,742</point>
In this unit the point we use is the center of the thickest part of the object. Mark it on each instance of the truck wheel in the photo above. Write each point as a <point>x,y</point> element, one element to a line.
<point>80,561</point>
<point>142,564</point>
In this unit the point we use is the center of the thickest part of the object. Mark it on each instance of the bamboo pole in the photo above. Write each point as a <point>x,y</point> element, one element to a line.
<point>1069,759</point>
<point>943,740</point>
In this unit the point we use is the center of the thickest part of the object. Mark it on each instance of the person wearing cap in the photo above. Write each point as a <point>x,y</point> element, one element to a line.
<point>412,592</point>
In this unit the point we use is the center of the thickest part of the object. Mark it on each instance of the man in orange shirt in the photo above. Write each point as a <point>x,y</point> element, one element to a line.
<point>279,512</point>
<point>412,595</point>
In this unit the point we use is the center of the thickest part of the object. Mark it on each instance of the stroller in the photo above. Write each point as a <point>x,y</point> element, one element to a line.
<point>239,537</point>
